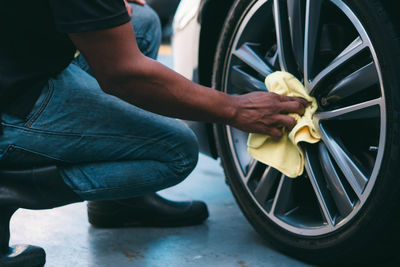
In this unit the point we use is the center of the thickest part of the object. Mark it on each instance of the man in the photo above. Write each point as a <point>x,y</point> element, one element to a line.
<point>92,121</point>
<point>149,210</point>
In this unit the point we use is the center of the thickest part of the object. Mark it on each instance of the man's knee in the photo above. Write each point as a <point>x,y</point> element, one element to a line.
<point>191,151</point>
<point>147,26</point>
<point>188,154</point>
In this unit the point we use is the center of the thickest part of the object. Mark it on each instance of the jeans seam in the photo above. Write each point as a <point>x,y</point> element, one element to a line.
<point>77,134</point>
<point>36,115</point>
<point>61,161</point>
<point>126,137</point>
<point>129,186</point>
<point>26,129</point>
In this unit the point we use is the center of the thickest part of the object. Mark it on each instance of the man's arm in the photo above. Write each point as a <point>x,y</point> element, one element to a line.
<point>122,70</point>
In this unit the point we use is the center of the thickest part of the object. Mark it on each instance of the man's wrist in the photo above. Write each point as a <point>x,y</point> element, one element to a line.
<point>230,109</point>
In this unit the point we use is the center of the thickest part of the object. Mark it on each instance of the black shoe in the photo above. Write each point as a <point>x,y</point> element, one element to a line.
<point>32,189</point>
<point>149,210</point>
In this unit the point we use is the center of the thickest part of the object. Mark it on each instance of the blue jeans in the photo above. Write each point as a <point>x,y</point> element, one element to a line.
<point>105,148</point>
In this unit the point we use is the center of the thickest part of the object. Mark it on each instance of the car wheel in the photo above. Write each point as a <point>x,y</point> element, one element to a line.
<point>346,53</point>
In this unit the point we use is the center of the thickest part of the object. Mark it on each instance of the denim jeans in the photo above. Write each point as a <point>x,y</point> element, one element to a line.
<point>105,148</point>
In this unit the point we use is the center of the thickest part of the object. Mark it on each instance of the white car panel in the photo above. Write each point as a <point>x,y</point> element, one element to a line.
<point>185,41</point>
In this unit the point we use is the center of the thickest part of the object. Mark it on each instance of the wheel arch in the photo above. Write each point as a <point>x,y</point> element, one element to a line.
<point>212,18</point>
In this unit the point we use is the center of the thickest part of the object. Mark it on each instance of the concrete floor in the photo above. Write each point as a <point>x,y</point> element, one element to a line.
<point>225,239</point>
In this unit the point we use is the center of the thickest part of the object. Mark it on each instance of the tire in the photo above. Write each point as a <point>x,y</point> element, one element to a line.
<point>326,216</point>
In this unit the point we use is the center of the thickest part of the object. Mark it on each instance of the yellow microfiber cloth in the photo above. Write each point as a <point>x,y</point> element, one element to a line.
<point>285,154</point>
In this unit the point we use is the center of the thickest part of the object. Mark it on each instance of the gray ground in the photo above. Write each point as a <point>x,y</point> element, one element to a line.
<point>226,239</point>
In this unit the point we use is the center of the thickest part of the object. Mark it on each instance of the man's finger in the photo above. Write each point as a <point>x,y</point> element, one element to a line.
<point>304,102</point>
<point>140,2</point>
<point>274,132</point>
<point>285,121</point>
<point>284,98</point>
<point>128,8</point>
<point>292,107</point>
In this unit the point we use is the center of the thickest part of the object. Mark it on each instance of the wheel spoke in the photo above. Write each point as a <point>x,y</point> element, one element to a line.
<point>266,184</point>
<point>251,169</point>
<point>239,146</point>
<point>274,60</point>
<point>249,56</point>
<point>338,192</point>
<point>296,24</point>
<point>353,174</point>
<point>345,56</point>
<point>243,82</point>
<point>284,196</point>
<point>365,110</point>
<point>283,38</point>
<point>312,26</point>
<point>321,192</point>
<point>354,83</point>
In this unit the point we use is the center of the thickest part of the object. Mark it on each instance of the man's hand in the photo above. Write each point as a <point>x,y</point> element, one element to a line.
<point>266,113</point>
<point>129,8</point>
<point>140,2</point>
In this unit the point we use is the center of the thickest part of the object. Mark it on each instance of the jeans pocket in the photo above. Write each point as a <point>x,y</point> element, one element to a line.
<point>40,104</point>
<point>16,157</point>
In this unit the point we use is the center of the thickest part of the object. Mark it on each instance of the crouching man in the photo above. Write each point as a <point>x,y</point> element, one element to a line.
<point>105,118</point>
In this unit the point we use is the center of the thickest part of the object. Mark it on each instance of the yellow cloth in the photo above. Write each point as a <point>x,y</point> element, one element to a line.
<point>285,154</point>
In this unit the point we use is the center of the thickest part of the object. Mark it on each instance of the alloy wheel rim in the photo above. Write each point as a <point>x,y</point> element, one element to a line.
<point>339,173</point>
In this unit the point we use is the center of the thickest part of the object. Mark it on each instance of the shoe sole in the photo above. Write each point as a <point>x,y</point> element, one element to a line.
<point>102,220</point>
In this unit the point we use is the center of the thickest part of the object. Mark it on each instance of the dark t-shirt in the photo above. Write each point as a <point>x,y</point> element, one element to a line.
<point>34,45</point>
